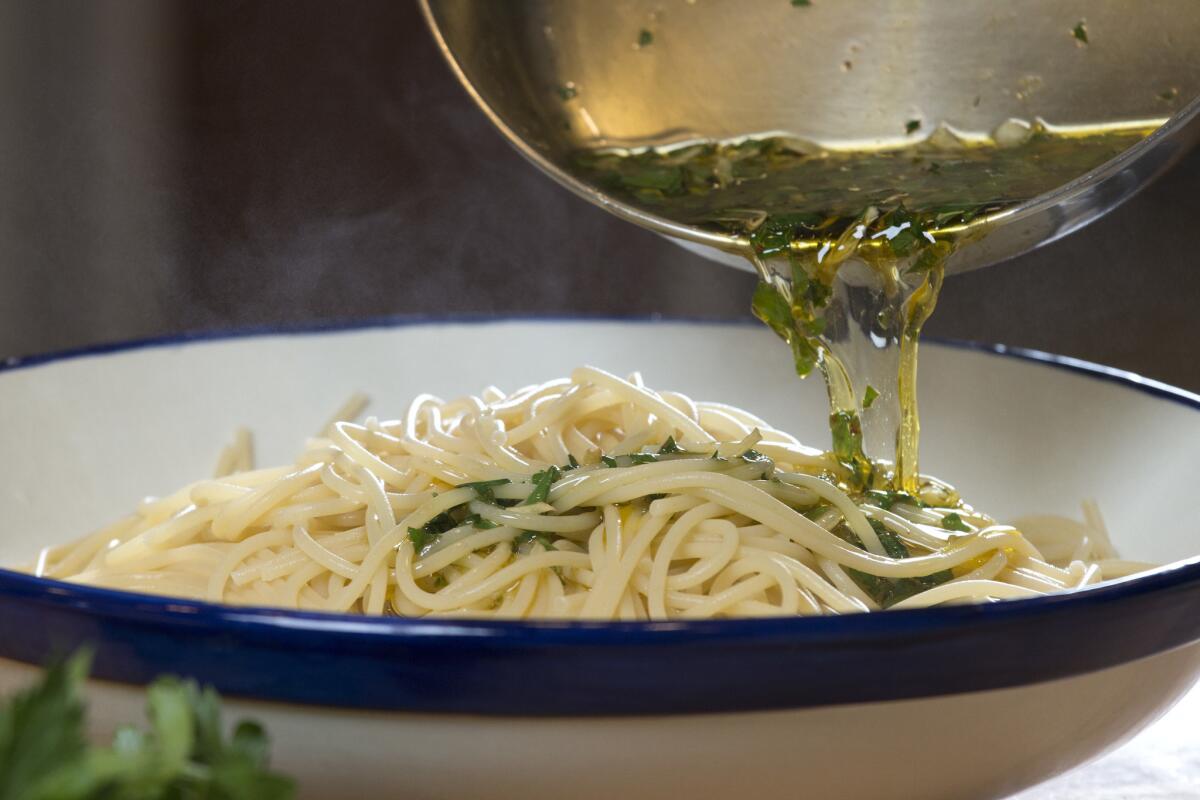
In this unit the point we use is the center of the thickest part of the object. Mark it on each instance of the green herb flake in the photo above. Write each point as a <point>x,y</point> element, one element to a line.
<point>877,498</point>
<point>931,257</point>
<point>479,522</point>
<point>645,38</point>
<point>546,540</point>
<point>889,591</point>
<point>815,327</point>
<point>485,489</point>
<point>608,461</point>
<point>892,544</point>
<point>420,538</point>
<point>442,522</point>
<point>776,233</point>
<point>869,396</point>
<point>1169,96</point>
<point>912,125</point>
<point>906,240</point>
<point>567,92</point>
<point>847,435</point>
<point>953,522</point>
<point>886,500</point>
<point>669,447</point>
<point>770,306</point>
<point>752,456</point>
<point>572,463</point>
<point>667,179</point>
<point>846,430</point>
<point>541,485</point>
<point>1080,32</point>
<point>642,458</point>
<point>801,3</point>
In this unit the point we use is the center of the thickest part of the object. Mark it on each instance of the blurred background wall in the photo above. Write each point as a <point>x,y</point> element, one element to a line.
<point>170,166</point>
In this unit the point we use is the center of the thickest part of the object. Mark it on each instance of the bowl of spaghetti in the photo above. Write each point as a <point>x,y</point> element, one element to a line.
<point>508,570</point>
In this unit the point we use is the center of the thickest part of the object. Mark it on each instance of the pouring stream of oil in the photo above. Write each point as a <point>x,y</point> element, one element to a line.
<point>850,248</point>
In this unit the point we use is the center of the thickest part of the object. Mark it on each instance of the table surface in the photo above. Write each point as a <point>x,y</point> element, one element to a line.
<point>171,166</point>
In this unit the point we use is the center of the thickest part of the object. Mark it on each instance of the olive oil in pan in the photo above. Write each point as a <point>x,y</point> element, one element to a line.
<point>850,247</point>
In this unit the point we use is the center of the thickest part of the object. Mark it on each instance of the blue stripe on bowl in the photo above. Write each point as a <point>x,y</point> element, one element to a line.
<point>559,669</point>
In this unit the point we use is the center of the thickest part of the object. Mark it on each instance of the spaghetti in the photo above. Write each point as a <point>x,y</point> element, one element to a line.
<point>588,497</point>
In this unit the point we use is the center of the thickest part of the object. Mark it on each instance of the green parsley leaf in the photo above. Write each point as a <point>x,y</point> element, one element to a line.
<point>878,498</point>
<point>608,461</point>
<point>770,306</point>
<point>665,178</point>
<point>541,485</point>
<point>479,522</point>
<point>953,522</point>
<point>814,327</point>
<point>1080,32</point>
<point>889,591</point>
<point>902,243</point>
<point>776,233</point>
<point>818,294</point>
<point>930,257</point>
<point>44,754</point>
<point>442,522</point>
<point>546,540</point>
<point>846,429</point>
<point>572,463</point>
<point>912,125</point>
<point>642,458</point>
<point>567,92</point>
<point>869,396</point>
<point>847,436</point>
<point>42,731</point>
<point>886,500</point>
<point>645,38</point>
<point>485,489</point>
<point>669,447</point>
<point>801,3</point>
<point>805,356</point>
<point>420,538</point>
<point>892,544</point>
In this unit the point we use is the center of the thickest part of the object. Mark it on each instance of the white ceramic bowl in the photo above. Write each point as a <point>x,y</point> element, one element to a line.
<point>956,703</point>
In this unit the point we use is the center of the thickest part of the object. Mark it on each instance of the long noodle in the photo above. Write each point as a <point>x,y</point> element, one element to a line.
<point>590,497</point>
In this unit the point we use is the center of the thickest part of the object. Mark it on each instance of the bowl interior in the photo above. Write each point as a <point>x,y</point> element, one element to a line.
<point>87,437</point>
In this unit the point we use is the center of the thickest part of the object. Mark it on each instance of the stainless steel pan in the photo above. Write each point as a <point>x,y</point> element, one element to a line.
<point>559,75</point>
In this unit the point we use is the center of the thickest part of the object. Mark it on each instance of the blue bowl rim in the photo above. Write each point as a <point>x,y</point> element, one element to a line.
<point>295,625</point>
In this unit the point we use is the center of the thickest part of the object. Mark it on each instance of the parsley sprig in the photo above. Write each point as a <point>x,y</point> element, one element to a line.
<point>45,755</point>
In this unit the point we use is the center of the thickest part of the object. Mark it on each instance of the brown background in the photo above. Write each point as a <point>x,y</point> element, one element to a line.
<point>182,166</point>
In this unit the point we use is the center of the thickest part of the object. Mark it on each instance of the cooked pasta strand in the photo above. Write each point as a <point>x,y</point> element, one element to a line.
<point>590,497</point>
